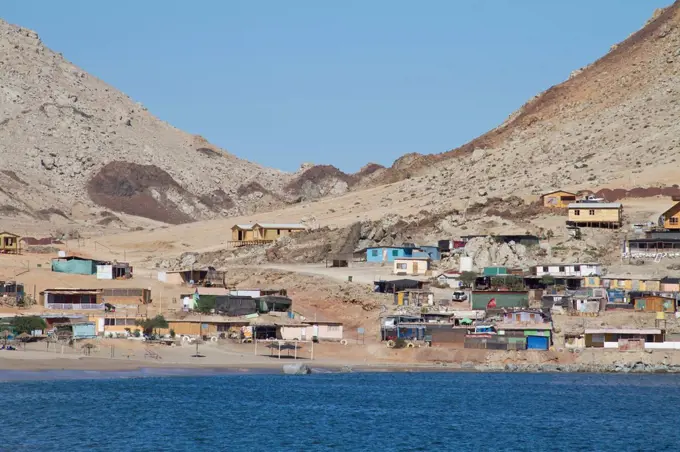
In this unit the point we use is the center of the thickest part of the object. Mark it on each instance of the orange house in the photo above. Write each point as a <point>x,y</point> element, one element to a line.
<point>558,199</point>
<point>671,217</point>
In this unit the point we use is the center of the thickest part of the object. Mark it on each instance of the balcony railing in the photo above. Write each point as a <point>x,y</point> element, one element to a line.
<point>75,306</point>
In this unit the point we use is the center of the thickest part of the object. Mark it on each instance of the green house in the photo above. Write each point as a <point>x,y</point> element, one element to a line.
<point>76,265</point>
<point>503,299</point>
<point>495,271</point>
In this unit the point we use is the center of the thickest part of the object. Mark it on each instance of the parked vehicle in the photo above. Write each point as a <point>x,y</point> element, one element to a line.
<point>459,296</point>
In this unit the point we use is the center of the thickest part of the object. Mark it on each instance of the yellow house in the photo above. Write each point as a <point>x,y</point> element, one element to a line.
<point>9,243</point>
<point>242,232</point>
<point>262,233</point>
<point>671,217</point>
<point>558,199</point>
<point>592,281</point>
<point>632,283</point>
<point>411,265</point>
<point>272,231</point>
<point>595,214</point>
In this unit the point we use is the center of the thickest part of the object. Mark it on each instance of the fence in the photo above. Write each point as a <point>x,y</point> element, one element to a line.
<point>67,306</point>
<point>493,342</point>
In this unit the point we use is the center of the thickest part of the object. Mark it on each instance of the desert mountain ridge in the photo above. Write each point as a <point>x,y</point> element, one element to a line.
<point>72,140</point>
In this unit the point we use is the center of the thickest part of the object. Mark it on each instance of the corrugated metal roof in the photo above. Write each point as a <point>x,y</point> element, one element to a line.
<point>595,205</point>
<point>622,331</point>
<point>281,226</point>
<point>633,277</point>
<point>243,226</point>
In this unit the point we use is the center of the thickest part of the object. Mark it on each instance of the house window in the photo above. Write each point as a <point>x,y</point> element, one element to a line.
<point>401,266</point>
<point>278,232</point>
<point>577,268</point>
<point>395,253</point>
<point>591,212</point>
<point>374,253</point>
<point>674,220</point>
<point>333,328</point>
<point>545,270</point>
<point>561,269</point>
<point>577,212</point>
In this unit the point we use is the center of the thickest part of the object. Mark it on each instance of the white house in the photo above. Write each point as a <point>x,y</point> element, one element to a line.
<point>565,270</point>
<point>450,278</point>
<point>411,265</point>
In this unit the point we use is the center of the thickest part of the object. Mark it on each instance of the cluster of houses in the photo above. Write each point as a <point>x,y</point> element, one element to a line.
<point>207,307</point>
<point>512,310</point>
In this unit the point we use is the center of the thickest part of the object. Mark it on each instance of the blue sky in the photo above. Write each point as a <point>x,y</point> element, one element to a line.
<point>342,83</point>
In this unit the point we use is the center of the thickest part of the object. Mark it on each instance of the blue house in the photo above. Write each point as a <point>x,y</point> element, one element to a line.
<point>388,253</point>
<point>428,251</point>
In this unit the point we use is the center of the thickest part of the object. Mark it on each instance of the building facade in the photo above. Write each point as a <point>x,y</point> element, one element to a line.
<point>579,270</point>
<point>411,265</point>
<point>387,253</point>
<point>595,214</point>
<point>558,199</point>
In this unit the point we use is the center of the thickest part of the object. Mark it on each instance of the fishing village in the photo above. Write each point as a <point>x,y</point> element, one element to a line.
<point>425,304</point>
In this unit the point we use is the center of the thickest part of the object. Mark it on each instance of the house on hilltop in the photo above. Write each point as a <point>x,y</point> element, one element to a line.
<point>596,214</point>
<point>262,233</point>
<point>670,219</point>
<point>558,199</point>
<point>9,243</point>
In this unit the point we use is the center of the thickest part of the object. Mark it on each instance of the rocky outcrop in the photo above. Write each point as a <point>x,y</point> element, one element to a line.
<point>63,132</point>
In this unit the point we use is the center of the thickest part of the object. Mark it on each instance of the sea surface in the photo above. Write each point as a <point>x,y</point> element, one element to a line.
<point>138,411</point>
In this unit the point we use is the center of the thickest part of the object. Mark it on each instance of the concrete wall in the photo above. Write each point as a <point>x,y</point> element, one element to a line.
<point>291,333</point>
<point>330,332</point>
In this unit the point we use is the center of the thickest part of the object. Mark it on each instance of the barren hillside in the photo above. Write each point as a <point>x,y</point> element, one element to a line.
<point>75,144</point>
<point>611,124</point>
<point>70,141</point>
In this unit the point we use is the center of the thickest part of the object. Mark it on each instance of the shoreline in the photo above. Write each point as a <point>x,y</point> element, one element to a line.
<point>12,369</point>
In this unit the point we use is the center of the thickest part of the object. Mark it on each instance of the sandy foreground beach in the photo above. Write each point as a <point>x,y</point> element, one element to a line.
<point>124,355</point>
<point>140,358</point>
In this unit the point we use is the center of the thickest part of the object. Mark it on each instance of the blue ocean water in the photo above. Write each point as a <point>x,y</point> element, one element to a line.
<point>354,412</point>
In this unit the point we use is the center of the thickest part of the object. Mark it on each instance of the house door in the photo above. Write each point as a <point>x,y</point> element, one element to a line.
<point>240,235</point>
<point>415,268</point>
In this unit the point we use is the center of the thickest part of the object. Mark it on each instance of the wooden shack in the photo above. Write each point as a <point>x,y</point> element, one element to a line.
<point>655,303</point>
<point>9,243</point>
<point>670,219</point>
<point>261,233</point>
<point>558,199</point>
<point>596,214</point>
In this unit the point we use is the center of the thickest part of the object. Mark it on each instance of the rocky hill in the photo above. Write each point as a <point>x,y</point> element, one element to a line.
<point>69,140</point>
<point>612,124</point>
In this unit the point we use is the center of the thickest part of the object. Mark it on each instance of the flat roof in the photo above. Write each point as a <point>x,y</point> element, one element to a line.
<point>390,247</point>
<point>622,331</point>
<point>280,226</point>
<point>658,240</point>
<point>640,277</point>
<point>567,265</point>
<point>520,326</point>
<point>596,205</point>
<point>72,290</point>
<point>412,258</point>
